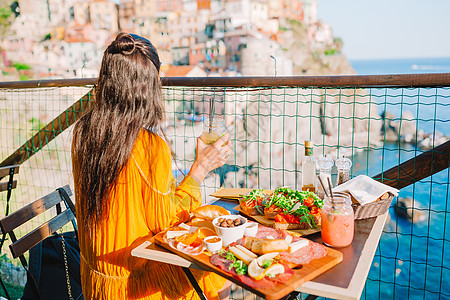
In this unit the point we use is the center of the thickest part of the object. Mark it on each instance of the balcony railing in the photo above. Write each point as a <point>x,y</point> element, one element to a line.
<point>377,121</point>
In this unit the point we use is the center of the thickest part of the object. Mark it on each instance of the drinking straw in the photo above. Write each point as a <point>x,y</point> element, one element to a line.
<point>211,113</point>
<point>331,193</point>
<point>323,186</point>
<point>329,185</point>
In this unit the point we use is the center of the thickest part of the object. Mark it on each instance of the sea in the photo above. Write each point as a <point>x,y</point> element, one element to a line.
<point>407,264</point>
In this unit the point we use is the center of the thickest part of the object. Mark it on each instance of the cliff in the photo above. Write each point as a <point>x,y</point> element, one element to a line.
<point>315,51</point>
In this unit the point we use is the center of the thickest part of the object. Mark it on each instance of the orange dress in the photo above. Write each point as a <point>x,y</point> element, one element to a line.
<point>139,208</point>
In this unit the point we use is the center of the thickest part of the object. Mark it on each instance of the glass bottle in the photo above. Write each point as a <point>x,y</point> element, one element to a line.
<point>214,130</point>
<point>309,169</point>
<point>343,165</point>
<point>338,222</point>
<point>325,165</point>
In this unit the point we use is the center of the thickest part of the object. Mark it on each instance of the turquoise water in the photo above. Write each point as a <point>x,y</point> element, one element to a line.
<point>431,106</point>
<point>408,261</point>
<point>402,66</point>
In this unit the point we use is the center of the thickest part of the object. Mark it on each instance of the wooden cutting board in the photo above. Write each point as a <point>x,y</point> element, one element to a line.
<point>263,220</point>
<point>301,275</point>
<point>233,193</point>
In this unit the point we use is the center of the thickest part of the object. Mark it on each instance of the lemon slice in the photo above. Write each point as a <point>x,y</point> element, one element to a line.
<point>255,271</point>
<point>260,260</point>
<point>274,270</point>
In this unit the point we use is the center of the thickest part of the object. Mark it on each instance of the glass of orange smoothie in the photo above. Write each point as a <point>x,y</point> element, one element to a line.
<point>337,220</point>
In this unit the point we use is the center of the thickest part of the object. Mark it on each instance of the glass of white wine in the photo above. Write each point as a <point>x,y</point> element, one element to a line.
<point>214,130</point>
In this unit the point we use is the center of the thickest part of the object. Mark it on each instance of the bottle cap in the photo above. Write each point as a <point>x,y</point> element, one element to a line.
<point>309,144</point>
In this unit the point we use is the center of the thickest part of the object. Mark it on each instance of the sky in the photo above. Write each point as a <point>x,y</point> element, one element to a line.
<point>382,29</point>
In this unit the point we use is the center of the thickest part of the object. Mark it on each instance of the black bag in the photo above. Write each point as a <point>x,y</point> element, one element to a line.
<point>46,264</point>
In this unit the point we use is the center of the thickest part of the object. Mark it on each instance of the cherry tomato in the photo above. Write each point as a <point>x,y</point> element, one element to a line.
<point>280,218</point>
<point>293,219</point>
<point>249,204</point>
<point>309,201</point>
<point>314,209</point>
<point>259,201</point>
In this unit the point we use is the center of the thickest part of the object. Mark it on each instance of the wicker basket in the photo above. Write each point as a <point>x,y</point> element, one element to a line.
<point>373,209</point>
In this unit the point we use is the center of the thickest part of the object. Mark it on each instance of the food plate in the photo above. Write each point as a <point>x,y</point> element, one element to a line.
<point>263,220</point>
<point>274,290</point>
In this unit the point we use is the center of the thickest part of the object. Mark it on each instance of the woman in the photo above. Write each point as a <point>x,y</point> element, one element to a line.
<point>124,188</point>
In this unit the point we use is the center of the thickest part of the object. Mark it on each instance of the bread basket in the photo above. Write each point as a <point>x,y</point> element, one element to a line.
<point>372,209</point>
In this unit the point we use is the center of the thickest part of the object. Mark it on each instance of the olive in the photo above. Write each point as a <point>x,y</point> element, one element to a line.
<point>221,220</point>
<point>224,224</point>
<point>237,222</point>
<point>231,225</point>
<point>229,221</point>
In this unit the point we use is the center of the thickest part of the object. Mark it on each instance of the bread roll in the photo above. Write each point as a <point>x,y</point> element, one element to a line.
<point>268,245</point>
<point>248,241</point>
<point>210,212</point>
<point>291,226</point>
<point>198,222</point>
<point>385,196</point>
<point>249,211</point>
<point>271,213</point>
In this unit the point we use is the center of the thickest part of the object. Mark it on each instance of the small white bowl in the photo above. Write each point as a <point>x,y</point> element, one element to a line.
<point>251,229</point>
<point>213,247</point>
<point>230,234</point>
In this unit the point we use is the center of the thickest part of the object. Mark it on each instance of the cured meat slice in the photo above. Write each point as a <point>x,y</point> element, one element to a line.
<point>283,277</point>
<point>194,249</point>
<point>218,261</point>
<point>264,232</point>
<point>304,255</point>
<point>319,250</point>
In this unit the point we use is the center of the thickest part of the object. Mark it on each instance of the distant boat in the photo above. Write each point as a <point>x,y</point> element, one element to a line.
<point>429,67</point>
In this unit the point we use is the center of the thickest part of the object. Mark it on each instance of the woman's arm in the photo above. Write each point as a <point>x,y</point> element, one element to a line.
<point>167,204</point>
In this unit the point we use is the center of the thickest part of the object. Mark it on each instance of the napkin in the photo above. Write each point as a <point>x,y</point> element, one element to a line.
<point>365,189</point>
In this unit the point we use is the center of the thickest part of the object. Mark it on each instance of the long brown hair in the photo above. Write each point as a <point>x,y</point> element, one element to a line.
<point>128,99</point>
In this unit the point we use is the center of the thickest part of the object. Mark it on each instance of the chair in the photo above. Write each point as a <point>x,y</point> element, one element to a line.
<point>11,222</point>
<point>8,186</point>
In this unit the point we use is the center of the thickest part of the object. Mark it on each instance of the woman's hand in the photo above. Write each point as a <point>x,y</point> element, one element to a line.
<point>210,157</point>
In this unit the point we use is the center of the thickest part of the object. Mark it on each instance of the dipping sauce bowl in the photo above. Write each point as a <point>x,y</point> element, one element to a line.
<point>213,243</point>
<point>251,229</point>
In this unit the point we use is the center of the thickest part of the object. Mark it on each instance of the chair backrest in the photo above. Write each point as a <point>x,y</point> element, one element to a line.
<point>10,184</point>
<point>9,223</point>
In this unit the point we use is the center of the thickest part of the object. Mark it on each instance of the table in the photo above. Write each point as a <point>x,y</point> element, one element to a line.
<point>344,281</point>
